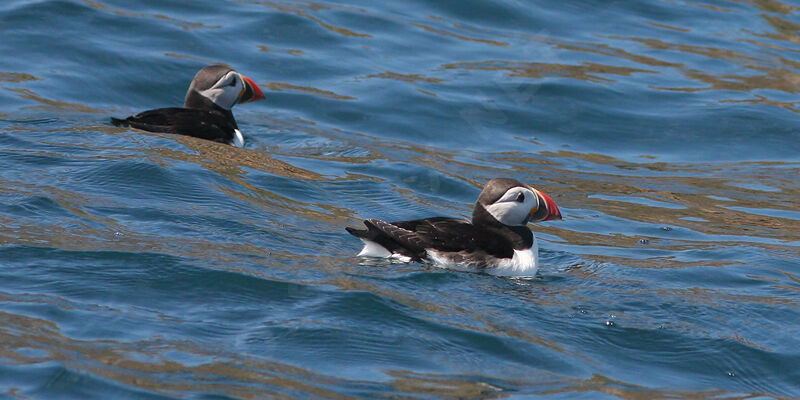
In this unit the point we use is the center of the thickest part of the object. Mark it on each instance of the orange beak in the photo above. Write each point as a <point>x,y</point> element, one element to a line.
<point>250,92</point>
<point>552,209</point>
<point>549,212</point>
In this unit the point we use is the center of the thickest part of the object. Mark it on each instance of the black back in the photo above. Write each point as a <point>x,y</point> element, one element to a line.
<point>413,238</point>
<point>481,239</point>
<point>200,118</point>
<point>207,124</point>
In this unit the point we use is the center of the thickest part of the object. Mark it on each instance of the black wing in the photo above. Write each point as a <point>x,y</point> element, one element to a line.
<point>204,124</point>
<point>413,238</point>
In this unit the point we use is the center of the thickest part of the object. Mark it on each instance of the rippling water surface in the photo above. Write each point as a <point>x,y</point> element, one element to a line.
<point>144,266</point>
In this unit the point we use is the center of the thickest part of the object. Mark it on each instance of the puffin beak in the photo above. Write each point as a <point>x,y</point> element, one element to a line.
<point>250,91</point>
<point>547,210</point>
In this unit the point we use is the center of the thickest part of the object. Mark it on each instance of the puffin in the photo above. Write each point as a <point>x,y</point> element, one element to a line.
<point>206,112</point>
<point>496,241</point>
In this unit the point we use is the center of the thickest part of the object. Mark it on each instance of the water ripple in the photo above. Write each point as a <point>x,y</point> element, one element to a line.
<point>147,265</point>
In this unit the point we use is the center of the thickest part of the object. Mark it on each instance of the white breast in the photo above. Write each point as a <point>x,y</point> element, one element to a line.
<point>523,263</point>
<point>238,139</point>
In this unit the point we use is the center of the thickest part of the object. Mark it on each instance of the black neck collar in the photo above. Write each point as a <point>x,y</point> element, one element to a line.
<point>520,236</point>
<point>196,101</point>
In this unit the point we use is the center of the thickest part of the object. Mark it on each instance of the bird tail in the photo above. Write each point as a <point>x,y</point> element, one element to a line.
<point>359,233</point>
<point>371,233</point>
<point>119,122</point>
<point>388,242</point>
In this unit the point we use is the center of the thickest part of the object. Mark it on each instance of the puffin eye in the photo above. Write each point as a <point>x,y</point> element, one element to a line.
<point>233,82</point>
<point>521,198</point>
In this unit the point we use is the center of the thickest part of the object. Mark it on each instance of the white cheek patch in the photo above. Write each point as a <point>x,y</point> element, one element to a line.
<point>223,97</point>
<point>222,94</point>
<point>509,211</point>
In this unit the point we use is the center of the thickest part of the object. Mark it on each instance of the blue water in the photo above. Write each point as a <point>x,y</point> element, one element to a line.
<point>151,266</point>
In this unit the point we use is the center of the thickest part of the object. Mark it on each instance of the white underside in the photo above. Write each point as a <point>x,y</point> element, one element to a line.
<point>523,263</point>
<point>238,139</point>
<point>372,249</point>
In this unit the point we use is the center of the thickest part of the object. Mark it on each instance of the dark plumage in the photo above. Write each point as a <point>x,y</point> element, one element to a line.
<point>207,107</point>
<point>414,238</point>
<point>205,124</point>
<point>495,237</point>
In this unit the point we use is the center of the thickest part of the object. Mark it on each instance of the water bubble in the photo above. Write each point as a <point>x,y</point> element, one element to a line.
<point>580,309</point>
<point>644,242</point>
<point>731,374</point>
<point>666,228</point>
<point>610,323</point>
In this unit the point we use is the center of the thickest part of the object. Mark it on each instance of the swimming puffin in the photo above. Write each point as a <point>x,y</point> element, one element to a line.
<point>496,241</point>
<point>207,108</point>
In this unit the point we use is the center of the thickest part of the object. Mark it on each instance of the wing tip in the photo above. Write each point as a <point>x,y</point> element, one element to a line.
<point>374,223</point>
<point>385,235</point>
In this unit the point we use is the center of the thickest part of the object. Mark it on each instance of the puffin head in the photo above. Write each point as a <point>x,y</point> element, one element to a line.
<point>514,203</point>
<point>219,84</point>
